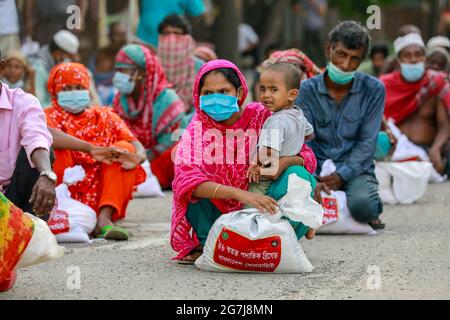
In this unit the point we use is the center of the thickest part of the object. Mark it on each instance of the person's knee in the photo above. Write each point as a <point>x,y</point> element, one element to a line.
<point>365,208</point>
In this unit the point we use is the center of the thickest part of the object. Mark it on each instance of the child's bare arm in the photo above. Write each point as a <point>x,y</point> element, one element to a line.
<point>254,173</point>
<point>310,137</point>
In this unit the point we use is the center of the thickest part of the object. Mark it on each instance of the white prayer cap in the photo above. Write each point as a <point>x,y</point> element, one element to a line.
<point>67,41</point>
<point>405,41</point>
<point>439,41</point>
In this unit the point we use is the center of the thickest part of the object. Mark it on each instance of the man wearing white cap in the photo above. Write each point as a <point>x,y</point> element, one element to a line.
<point>439,42</point>
<point>418,100</point>
<point>62,48</point>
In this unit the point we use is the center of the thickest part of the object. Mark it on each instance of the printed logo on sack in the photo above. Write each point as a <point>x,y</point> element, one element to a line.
<point>240,253</point>
<point>330,210</point>
<point>59,222</point>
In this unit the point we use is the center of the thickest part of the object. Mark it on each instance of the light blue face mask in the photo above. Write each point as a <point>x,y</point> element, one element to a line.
<point>338,76</point>
<point>74,101</point>
<point>412,72</point>
<point>219,107</point>
<point>123,83</point>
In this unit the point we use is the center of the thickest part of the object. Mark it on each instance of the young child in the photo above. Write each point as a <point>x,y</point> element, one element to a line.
<point>285,132</point>
<point>18,72</point>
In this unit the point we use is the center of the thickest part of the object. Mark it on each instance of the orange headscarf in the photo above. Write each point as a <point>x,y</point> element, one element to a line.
<point>67,74</point>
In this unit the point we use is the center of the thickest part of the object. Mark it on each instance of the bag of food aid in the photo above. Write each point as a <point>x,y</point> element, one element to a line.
<point>149,188</point>
<point>408,151</point>
<point>71,221</point>
<point>42,247</point>
<point>249,241</point>
<point>402,182</point>
<point>337,216</point>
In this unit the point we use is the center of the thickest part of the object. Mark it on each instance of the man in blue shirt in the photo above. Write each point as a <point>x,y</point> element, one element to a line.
<point>153,12</point>
<point>346,109</point>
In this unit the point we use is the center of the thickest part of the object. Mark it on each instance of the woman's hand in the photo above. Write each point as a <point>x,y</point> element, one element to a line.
<point>130,160</point>
<point>263,203</point>
<point>105,154</point>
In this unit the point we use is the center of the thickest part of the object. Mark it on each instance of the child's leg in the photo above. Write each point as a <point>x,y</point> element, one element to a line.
<point>279,188</point>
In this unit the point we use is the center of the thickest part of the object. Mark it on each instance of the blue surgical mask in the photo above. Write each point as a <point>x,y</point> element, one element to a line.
<point>412,72</point>
<point>338,76</point>
<point>123,83</point>
<point>74,101</point>
<point>219,107</point>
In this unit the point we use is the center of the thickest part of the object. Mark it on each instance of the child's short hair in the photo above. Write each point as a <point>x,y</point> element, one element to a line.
<point>292,76</point>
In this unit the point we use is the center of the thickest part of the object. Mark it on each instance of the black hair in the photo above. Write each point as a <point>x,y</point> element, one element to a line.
<point>379,48</point>
<point>290,72</point>
<point>52,46</point>
<point>228,73</point>
<point>176,21</point>
<point>352,35</point>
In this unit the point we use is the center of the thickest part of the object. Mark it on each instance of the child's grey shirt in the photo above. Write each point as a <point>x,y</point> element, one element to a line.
<point>285,132</point>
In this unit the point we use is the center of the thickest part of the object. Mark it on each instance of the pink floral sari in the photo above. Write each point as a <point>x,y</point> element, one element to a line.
<point>193,170</point>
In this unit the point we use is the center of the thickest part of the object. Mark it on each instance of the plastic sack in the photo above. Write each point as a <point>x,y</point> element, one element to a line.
<point>151,186</point>
<point>42,247</point>
<point>71,221</point>
<point>249,241</point>
<point>408,151</point>
<point>402,182</point>
<point>337,216</point>
<point>341,221</point>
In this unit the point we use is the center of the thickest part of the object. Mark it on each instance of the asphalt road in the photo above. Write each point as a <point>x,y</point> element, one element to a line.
<point>410,260</point>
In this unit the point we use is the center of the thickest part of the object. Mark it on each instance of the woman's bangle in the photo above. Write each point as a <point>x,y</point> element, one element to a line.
<point>215,192</point>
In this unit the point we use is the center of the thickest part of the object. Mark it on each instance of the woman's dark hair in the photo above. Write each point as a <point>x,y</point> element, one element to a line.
<point>228,73</point>
<point>352,35</point>
<point>176,21</point>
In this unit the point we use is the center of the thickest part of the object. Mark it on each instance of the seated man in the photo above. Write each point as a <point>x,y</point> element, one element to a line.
<point>107,188</point>
<point>26,176</point>
<point>418,100</point>
<point>345,108</point>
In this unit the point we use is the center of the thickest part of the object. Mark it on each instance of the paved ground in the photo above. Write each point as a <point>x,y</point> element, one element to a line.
<point>412,255</point>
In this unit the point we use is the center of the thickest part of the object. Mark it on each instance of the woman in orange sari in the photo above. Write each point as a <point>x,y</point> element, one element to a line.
<point>107,187</point>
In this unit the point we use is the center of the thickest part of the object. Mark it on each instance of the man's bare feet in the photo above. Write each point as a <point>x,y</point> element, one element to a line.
<point>310,234</point>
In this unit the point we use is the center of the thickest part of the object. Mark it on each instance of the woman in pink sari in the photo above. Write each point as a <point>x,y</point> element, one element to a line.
<point>213,157</point>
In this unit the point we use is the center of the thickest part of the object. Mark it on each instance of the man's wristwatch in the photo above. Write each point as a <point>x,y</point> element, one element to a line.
<point>50,175</point>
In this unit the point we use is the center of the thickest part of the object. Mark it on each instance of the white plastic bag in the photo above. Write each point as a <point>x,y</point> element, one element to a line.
<point>42,247</point>
<point>151,186</point>
<point>337,217</point>
<point>71,221</point>
<point>406,150</point>
<point>344,222</point>
<point>248,241</point>
<point>402,182</point>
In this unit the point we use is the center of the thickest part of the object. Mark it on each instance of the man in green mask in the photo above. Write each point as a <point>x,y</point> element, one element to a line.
<point>346,108</point>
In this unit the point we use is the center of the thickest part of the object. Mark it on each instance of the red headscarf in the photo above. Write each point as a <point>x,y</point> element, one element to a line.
<point>67,74</point>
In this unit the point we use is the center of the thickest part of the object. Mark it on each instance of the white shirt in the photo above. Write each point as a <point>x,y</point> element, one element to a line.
<point>247,37</point>
<point>9,22</point>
